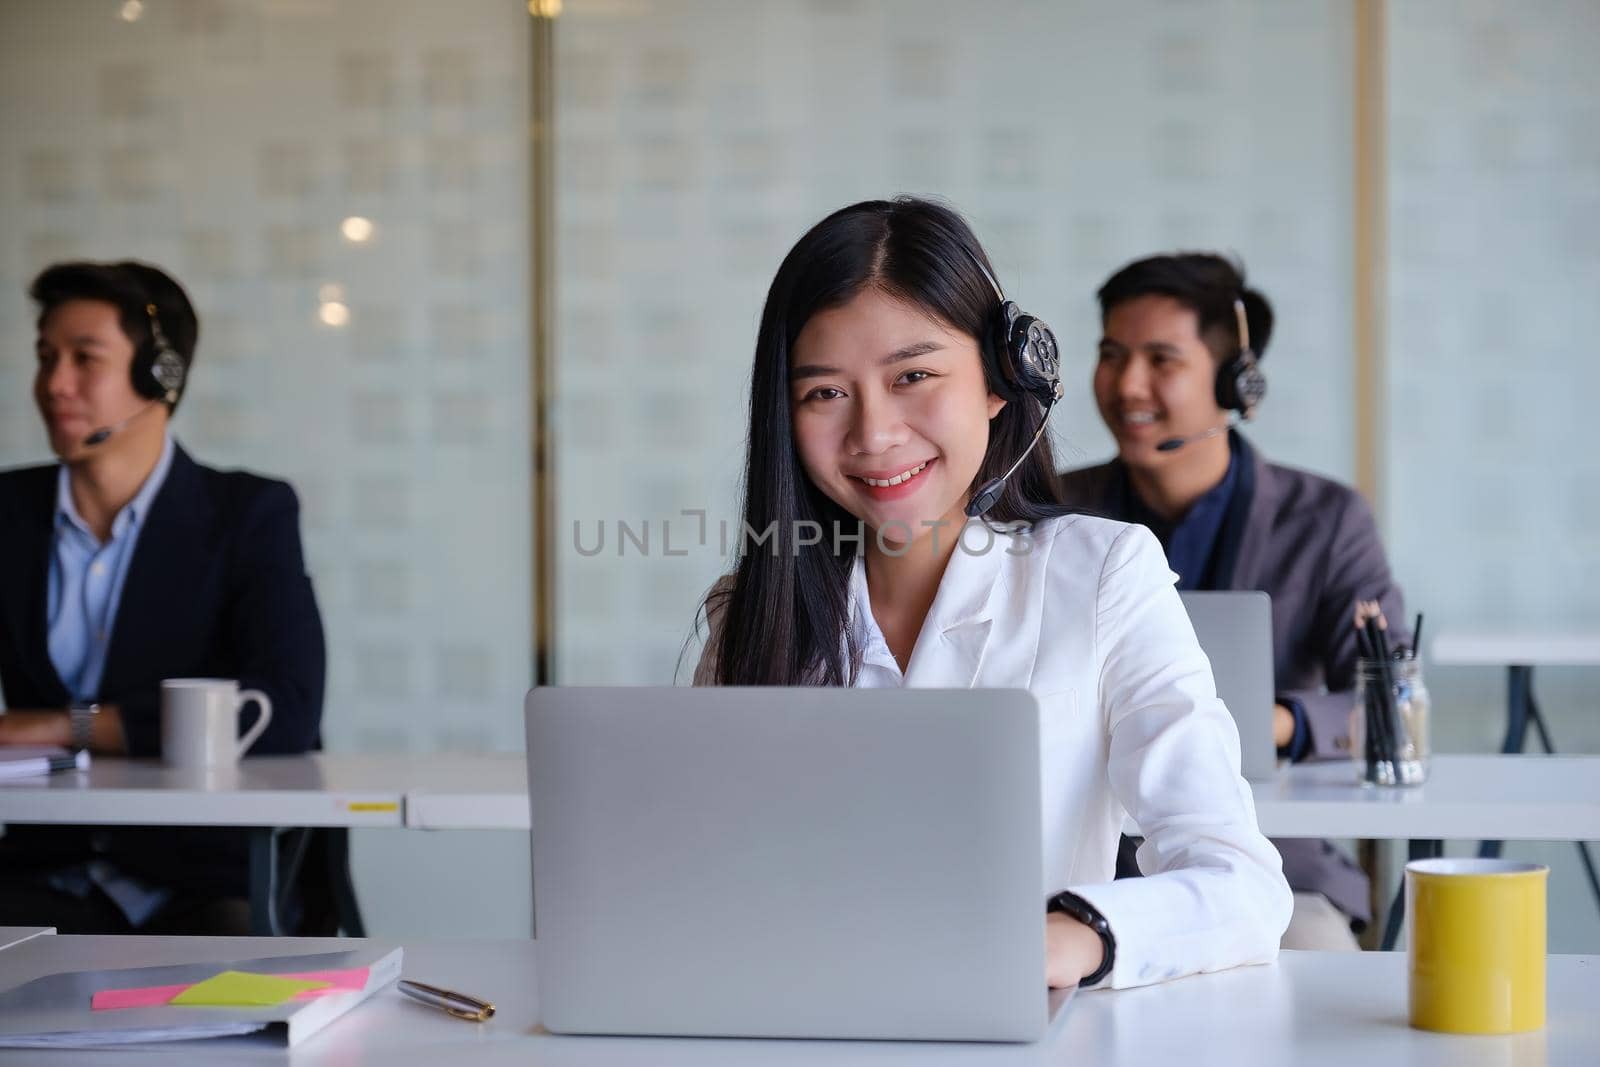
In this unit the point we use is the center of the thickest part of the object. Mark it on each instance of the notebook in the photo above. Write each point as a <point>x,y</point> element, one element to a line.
<point>57,1010</point>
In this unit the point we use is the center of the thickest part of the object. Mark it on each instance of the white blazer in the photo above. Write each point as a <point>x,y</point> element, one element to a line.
<point>1082,612</point>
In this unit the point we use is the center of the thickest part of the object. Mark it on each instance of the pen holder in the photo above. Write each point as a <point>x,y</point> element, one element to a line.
<point>1389,722</point>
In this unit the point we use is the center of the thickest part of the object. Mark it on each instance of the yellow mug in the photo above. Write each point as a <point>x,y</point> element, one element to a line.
<point>1477,945</point>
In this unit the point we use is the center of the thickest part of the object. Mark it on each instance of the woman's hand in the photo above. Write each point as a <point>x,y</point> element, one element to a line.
<point>1071,950</point>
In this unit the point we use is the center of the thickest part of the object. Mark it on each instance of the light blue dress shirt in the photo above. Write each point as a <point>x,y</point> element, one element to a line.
<point>86,580</point>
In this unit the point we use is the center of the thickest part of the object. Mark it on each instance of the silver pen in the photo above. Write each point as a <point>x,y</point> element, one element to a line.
<point>458,1004</point>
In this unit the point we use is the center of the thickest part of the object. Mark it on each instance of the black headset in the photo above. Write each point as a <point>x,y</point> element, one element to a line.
<point>1240,384</point>
<point>1026,357</point>
<point>1027,361</point>
<point>158,371</point>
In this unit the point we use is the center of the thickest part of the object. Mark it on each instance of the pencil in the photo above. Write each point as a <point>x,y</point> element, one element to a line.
<point>1374,747</point>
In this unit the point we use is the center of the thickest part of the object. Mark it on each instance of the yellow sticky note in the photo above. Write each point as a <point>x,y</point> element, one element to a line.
<point>242,989</point>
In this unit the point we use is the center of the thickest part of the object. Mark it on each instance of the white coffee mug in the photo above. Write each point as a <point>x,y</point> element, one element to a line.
<point>200,721</point>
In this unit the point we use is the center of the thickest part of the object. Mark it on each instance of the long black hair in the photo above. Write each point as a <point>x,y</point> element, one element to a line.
<point>785,612</point>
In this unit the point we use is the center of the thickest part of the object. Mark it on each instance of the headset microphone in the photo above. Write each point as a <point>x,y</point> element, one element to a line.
<point>989,495</point>
<point>104,433</point>
<point>1172,444</point>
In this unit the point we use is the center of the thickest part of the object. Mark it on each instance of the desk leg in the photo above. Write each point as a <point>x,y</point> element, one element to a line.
<point>1421,849</point>
<point>1534,717</point>
<point>1519,695</point>
<point>264,881</point>
<point>1519,711</point>
<point>344,890</point>
<point>1522,711</point>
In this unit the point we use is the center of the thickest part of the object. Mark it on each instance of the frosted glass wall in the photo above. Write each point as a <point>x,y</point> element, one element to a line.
<point>385,378</point>
<point>697,140</point>
<point>1492,501</point>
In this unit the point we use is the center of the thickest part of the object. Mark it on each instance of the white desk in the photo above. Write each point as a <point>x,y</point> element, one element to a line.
<point>1532,798</point>
<point>16,935</point>
<point>1520,652</point>
<point>1309,1009</point>
<point>313,790</point>
<point>1459,648</point>
<point>486,792</point>
<point>1515,797</point>
<point>1526,798</point>
<point>261,794</point>
<point>1523,797</point>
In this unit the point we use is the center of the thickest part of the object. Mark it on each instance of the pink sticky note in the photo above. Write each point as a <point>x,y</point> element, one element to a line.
<point>156,995</point>
<point>148,997</point>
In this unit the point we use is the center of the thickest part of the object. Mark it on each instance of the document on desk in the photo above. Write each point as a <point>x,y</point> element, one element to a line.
<point>82,1009</point>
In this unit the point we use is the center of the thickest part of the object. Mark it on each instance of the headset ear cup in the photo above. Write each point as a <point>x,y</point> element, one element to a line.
<point>1036,357</point>
<point>1005,360</point>
<point>1227,386</point>
<point>1026,355</point>
<point>1251,386</point>
<point>169,374</point>
<point>1240,384</point>
<point>143,371</point>
<point>158,373</point>
<point>1040,361</point>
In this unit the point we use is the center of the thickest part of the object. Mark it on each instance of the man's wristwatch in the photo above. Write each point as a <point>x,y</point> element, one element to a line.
<point>82,716</point>
<point>1089,915</point>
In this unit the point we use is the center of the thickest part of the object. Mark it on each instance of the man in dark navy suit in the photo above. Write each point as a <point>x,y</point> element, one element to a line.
<point>124,564</point>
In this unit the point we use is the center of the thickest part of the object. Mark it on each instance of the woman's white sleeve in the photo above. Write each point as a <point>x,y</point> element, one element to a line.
<point>1214,894</point>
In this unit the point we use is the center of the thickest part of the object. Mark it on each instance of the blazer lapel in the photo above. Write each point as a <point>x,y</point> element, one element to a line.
<point>949,650</point>
<point>28,559</point>
<point>171,539</point>
<point>1258,525</point>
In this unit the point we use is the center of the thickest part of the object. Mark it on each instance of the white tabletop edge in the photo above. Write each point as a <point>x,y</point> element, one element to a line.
<point>1311,1009</point>
<point>16,935</point>
<point>1526,648</point>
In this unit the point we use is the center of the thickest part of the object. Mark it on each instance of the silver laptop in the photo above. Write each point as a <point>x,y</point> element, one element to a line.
<point>1235,632</point>
<point>820,863</point>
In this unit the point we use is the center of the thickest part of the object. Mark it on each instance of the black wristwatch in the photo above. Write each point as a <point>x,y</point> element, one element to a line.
<point>1089,915</point>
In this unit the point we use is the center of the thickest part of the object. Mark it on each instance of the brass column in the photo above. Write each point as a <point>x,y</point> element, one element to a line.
<point>541,332</point>
<point>1370,260</point>
<point>1371,246</point>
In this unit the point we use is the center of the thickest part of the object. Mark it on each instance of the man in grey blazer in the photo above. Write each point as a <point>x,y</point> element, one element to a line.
<point>1182,335</point>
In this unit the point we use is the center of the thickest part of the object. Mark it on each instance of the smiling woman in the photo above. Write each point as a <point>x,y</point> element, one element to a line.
<point>879,402</point>
<point>872,358</point>
<point>891,412</point>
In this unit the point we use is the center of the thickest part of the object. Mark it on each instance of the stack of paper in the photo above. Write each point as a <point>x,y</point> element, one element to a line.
<point>285,999</point>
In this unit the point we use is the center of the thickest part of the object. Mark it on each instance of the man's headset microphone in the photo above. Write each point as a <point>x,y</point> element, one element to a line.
<point>158,376</point>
